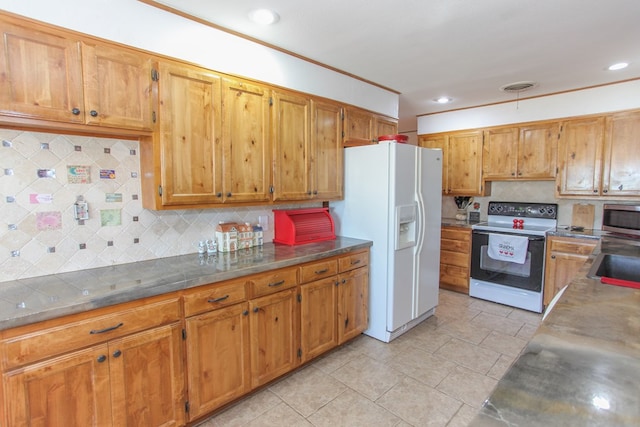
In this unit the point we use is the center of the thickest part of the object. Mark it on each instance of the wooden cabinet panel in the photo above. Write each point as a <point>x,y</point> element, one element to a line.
<point>353,302</point>
<point>212,297</point>
<point>327,155</point>
<point>318,270</point>
<point>273,281</point>
<point>318,314</point>
<point>564,258</point>
<point>358,127</point>
<point>353,260</point>
<point>455,258</point>
<point>620,175</point>
<point>273,324</point>
<point>218,358</point>
<point>47,342</point>
<point>41,74</point>
<point>291,127</point>
<point>537,151</point>
<point>70,390</point>
<point>245,136</point>
<point>500,153</point>
<point>191,155</point>
<point>147,379</point>
<point>385,127</point>
<point>465,163</point>
<point>440,142</point>
<point>117,87</point>
<point>580,157</point>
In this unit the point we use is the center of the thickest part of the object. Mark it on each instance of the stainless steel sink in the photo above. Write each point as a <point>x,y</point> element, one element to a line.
<point>615,267</point>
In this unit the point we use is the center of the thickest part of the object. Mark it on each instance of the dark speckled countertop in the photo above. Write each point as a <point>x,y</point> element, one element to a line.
<point>32,300</point>
<point>582,367</point>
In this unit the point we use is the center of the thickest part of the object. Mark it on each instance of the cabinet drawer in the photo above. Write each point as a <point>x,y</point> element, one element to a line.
<point>463,235</point>
<point>454,246</point>
<point>318,270</point>
<point>273,281</point>
<point>214,296</point>
<point>354,260</point>
<point>572,246</point>
<point>65,337</point>
<point>454,258</point>
<point>453,275</point>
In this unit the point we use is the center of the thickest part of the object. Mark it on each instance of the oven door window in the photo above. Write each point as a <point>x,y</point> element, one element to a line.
<point>528,276</point>
<point>511,268</point>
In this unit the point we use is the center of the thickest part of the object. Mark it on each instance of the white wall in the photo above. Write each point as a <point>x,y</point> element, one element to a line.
<point>137,24</point>
<point>620,96</point>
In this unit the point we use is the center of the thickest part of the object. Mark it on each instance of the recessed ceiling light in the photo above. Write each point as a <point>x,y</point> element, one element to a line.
<point>443,100</point>
<point>264,16</point>
<point>618,66</point>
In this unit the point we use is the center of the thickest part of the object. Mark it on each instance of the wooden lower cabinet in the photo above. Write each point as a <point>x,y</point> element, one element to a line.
<point>174,359</point>
<point>130,381</point>
<point>455,258</point>
<point>564,257</point>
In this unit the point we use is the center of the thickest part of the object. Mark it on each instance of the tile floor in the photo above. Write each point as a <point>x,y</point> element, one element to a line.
<point>437,374</point>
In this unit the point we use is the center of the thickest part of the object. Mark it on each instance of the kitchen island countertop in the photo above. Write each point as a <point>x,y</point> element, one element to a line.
<point>582,366</point>
<point>31,300</point>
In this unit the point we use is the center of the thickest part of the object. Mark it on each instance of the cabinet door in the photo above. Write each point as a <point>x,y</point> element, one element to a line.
<point>217,358</point>
<point>439,141</point>
<point>41,75</point>
<point>561,269</point>
<point>246,152</point>
<point>327,155</point>
<point>353,302</point>
<point>190,122</point>
<point>273,333</point>
<point>385,127</point>
<point>147,378</point>
<point>537,151</point>
<point>500,154</point>
<point>117,87</point>
<point>291,146</point>
<point>580,157</point>
<point>358,127</point>
<point>621,164</point>
<point>318,311</point>
<point>66,391</point>
<point>465,163</point>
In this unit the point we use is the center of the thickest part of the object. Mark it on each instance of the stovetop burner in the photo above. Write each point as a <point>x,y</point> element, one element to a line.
<point>520,217</point>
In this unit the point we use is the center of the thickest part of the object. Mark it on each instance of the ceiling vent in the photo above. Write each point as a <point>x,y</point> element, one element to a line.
<point>518,87</point>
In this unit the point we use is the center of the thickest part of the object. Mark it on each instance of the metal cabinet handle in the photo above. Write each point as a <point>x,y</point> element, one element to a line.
<point>245,313</point>
<point>256,309</point>
<point>272,285</point>
<point>321,271</point>
<point>102,331</point>
<point>117,353</point>
<point>214,300</point>
<point>354,262</point>
<point>93,113</point>
<point>218,194</point>
<point>229,194</point>
<point>101,358</point>
<point>75,111</point>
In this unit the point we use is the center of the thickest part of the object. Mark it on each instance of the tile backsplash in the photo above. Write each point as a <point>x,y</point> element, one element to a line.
<point>42,175</point>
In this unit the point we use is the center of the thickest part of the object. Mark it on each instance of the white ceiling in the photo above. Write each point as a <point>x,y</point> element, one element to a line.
<point>464,49</point>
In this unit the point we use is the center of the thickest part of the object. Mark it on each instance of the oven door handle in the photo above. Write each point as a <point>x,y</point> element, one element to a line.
<point>531,238</point>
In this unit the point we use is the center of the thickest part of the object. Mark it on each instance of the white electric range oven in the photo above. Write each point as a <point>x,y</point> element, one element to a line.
<point>511,281</point>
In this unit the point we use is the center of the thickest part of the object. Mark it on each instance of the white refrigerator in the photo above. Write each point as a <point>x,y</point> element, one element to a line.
<point>393,197</point>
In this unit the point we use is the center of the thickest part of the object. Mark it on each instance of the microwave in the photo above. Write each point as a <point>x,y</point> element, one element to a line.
<point>621,219</point>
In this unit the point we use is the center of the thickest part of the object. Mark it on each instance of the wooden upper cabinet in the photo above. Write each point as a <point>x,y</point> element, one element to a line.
<point>385,126</point>
<point>465,163</point>
<point>580,157</point>
<point>40,74</point>
<point>524,152</point>
<point>327,154</point>
<point>621,164</point>
<point>190,128</point>
<point>500,153</point>
<point>438,141</point>
<point>358,127</point>
<point>291,125</point>
<point>117,87</point>
<point>49,76</point>
<point>245,141</point>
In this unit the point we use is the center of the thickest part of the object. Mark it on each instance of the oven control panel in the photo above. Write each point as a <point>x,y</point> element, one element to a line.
<point>524,210</point>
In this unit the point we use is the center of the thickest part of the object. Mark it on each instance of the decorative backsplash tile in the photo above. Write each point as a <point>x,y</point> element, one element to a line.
<point>50,172</point>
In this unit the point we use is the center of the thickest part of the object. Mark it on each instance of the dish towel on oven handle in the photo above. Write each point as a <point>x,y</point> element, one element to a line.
<point>507,247</point>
